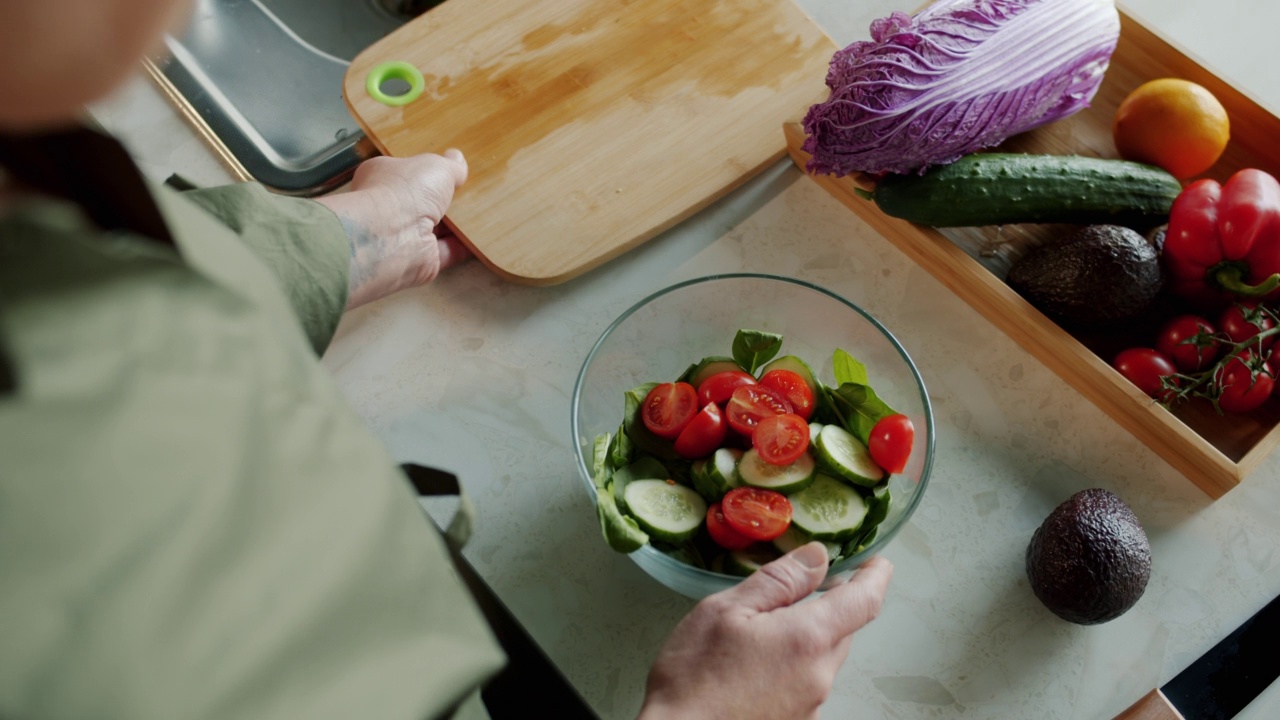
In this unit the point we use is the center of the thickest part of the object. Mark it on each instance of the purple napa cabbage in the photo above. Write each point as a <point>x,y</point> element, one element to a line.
<point>960,76</point>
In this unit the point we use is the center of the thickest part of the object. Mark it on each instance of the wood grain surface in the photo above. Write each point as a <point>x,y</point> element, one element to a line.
<point>1152,706</point>
<point>1215,452</point>
<point>592,125</point>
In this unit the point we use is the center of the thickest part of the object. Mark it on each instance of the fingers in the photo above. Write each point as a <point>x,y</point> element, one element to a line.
<point>851,605</point>
<point>457,165</point>
<point>783,582</point>
<point>452,251</point>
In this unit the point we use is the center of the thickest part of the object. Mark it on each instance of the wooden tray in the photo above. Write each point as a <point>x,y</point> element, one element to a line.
<point>1215,452</point>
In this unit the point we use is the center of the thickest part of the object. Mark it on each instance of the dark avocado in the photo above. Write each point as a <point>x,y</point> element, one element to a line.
<point>1099,275</point>
<point>1089,561</point>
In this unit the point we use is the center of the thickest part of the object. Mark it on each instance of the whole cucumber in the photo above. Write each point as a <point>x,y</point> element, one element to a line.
<point>1005,188</point>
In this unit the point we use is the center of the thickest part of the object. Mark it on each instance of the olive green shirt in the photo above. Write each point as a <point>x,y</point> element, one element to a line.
<point>193,523</point>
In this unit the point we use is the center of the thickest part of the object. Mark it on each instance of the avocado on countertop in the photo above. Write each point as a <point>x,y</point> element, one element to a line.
<point>1089,561</point>
<point>1100,274</point>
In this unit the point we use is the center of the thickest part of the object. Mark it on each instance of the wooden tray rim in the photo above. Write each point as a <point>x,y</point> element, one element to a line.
<point>1179,445</point>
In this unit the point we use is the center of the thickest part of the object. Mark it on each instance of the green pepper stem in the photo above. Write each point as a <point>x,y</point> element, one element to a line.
<point>1231,279</point>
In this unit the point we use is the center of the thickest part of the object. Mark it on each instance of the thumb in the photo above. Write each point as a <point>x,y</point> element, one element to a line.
<point>783,582</point>
<point>458,165</point>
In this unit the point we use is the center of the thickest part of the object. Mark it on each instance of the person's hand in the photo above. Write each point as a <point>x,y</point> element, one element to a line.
<point>392,217</point>
<point>755,651</point>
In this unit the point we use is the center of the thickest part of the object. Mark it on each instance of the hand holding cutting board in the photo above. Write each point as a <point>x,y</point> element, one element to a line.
<point>393,217</point>
<point>590,126</point>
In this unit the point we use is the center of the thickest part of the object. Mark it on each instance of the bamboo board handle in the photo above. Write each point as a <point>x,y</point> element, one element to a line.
<point>1152,706</point>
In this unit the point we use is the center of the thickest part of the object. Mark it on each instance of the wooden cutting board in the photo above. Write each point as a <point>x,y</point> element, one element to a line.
<point>592,125</point>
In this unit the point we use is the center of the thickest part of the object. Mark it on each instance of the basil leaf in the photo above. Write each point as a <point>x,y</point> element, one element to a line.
<point>686,553</point>
<point>687,375</point>
<point>680,470</point>
<point>753,348</point>
<point>859,409</point>
<point>621,449</point>
<point>848,369</point>
<point>859,542</point>
<point>640,435</point>
<point>824,410</point>
<point>621,532</point>
<point>645,468</point>
<point>600,461</point>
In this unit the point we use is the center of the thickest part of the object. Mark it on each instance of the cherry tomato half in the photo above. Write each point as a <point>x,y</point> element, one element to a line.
<point>1178,340</point>
<point>1241,392</point>
<point>1144,367</point>
<point>751,403</point>
<point>1242,321</point>
<point>757,513</point>
<point>722,533</point>
<point>781,439</point>
<point>793,388</point>
<point>717,388</point>
<point>668,408</point>
<point>890,442</point>
<point>703,434</point>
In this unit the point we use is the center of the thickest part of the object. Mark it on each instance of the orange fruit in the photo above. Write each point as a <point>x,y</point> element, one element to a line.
<point>1174,124</point>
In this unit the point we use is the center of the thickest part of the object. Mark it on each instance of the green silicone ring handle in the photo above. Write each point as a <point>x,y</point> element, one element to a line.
<point>395,70</point>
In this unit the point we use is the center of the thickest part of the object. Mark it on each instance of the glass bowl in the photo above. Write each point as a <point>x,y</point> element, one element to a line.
<point>659,337</point>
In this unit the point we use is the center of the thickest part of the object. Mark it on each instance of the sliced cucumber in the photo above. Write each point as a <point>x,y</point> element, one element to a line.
<point>722,469</point>
<point>878,503</point>
<point>828,509</point>
<point>794,537</point>
<point>814,429</point>
<point>745,562</point>
<point>710,366</point>
<point>718,474</point>
<point>846,456</point>
<point>785,479</point>
<point>646,468</point>
<point>665,510</point>
<point>797,366</point>
<point>703,484</point>
<point>697,473</point>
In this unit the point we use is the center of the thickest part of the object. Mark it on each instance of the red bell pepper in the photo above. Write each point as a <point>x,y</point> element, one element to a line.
<point>1223,241</point>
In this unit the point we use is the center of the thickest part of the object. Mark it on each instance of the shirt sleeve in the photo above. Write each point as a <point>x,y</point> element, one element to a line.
<point>302,242</point>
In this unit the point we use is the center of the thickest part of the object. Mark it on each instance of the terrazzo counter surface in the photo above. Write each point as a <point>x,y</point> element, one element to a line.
<point>475,375</point>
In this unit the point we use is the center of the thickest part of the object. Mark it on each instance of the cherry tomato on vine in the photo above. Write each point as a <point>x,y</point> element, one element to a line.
<point>750,404</point>
<point>703,434</point>
<point>793,388</point>
<point>1242,321</point>
<point>668,408</point>
<point>757,513</point>
<point>1176,339</point>
<point>890,442</point>
<point>1241,390</point>
<point>719,387</point>
<point>722,533</point>
<point>781,439</point>
<point>1144,367</point>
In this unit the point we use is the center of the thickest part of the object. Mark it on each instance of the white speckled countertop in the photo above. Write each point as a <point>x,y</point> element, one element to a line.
<point>475,375</point>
